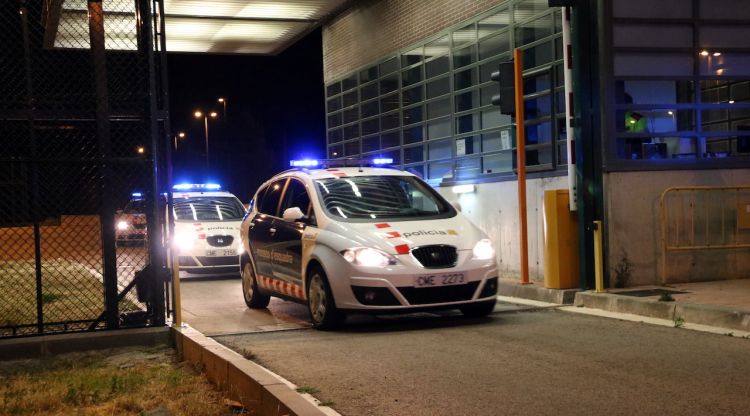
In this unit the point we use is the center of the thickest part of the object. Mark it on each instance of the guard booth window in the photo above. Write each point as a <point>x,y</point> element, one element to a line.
<point>681,72</point>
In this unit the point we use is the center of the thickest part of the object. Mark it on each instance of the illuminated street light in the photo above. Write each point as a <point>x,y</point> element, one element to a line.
<point>223,101</point>
<point>141,150</point>
<point>180,135</point>
<point>199,114</point>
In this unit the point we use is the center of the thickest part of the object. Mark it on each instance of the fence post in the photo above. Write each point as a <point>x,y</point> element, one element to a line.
<point>107,213</point>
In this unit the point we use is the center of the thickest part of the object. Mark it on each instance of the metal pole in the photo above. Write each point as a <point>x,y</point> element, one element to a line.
<point>521,164</point>
<point>109,252</point>
<point>205,120</point>
<point>598,257</point>
<point>34,167</point>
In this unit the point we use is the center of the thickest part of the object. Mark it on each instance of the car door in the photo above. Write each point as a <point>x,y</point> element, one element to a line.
<point>287,255</point>
<point>261,231</point>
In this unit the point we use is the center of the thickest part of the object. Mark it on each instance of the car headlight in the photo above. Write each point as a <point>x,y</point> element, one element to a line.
<point>122,225</point>
<point>483,250</point>
<point>368,257</point>
<point>184,241</point>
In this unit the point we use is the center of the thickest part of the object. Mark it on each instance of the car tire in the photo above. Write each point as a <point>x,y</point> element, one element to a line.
<point>320,303</point>
<point>253,298</point>
<point>478,310</point>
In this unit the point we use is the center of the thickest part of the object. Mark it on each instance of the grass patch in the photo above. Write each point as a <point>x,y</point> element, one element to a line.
<point>70,291</point>
<point>129,381</point>
<point>308,390</point>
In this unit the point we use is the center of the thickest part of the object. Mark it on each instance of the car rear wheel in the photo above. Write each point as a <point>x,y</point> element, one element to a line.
<point>320,303</point>
<point>477,310</point>
<point>253,298</point>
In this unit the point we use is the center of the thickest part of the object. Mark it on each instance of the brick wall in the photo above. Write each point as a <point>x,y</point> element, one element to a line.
<point>372,29</point>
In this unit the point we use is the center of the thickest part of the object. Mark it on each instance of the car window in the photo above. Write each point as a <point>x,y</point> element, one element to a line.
<point>270,202</point>
<point>372,198</point>
<point>208,208</point>
<point>256,200</point>
<point>296,196</point>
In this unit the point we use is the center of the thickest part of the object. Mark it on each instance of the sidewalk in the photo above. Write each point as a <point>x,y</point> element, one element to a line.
<point>724,304</point>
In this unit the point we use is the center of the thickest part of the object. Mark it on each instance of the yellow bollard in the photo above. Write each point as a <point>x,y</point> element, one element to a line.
<point>598,259</point>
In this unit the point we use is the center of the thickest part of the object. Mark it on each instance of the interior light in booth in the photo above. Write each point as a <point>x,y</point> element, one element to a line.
<point>304,163</point>
<point>463,189</point>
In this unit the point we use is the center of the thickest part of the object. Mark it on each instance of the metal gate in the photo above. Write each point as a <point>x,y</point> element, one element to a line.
<point>82,133</point>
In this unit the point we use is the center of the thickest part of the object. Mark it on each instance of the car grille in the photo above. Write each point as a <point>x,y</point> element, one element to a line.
<point>220,240</point>
<point>436,257</point>
<point>427,295</point>
<point>219,261</point>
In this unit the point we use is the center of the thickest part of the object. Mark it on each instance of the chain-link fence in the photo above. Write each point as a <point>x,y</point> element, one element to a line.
<point>82,128</point>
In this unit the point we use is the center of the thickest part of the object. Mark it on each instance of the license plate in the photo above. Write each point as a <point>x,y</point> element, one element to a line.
<point>221,252</point>
<point>432,280</point>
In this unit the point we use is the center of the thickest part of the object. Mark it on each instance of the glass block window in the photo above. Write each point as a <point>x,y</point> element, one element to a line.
<point>429,106</point>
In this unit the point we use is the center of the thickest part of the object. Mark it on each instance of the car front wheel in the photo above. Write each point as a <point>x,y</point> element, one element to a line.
<point>253,298</point>
<point>320,303</point>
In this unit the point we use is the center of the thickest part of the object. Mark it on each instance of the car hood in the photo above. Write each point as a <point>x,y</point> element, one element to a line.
<point>209,227</point>
<point>396,237</point>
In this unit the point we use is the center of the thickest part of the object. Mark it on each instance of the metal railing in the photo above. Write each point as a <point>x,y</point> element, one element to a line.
<point>702,218</point>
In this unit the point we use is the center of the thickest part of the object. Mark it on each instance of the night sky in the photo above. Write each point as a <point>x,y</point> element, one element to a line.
<point>275,112</point>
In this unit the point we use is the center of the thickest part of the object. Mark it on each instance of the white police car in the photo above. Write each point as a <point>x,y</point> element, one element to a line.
<point>363,239</point>
<point>130,222</point>
<point>206,231</point>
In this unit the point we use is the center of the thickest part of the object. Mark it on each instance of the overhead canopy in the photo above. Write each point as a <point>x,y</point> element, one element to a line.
<point>203,26</point>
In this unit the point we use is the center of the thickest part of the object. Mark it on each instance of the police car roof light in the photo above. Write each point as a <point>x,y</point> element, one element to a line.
<point>196,187</point>
<point>349,162</point>
<point>304,163</point>
<point>136,195</point>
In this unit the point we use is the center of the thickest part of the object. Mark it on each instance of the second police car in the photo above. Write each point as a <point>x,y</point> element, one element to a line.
<point>363,239</point>
<point>206,231</point>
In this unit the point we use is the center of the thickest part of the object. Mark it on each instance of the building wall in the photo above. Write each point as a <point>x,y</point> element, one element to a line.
<point>371,29</point>
<point>494,209</point>
<point>634,225</point>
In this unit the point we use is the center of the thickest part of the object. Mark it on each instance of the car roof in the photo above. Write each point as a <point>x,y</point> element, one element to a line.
<point>348,172</point>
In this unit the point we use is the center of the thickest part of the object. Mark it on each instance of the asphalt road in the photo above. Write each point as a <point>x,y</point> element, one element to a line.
<point>516,362</point>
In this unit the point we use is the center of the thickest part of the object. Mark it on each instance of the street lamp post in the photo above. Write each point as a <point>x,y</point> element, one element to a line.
<point>181,135</point>
<point>223,101</point>
<point>198,114</point>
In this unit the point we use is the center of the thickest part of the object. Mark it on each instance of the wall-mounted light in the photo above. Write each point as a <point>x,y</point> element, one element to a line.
<point>670,112</point>
<point>704,53</point>
<point>717,53</point>
<point>463,189</point>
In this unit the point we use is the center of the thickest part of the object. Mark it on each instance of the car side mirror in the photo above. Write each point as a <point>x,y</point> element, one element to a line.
<point>456,205</point>
<point>293,214</point>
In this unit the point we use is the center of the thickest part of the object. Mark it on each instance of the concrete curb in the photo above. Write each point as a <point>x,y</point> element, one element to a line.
<point>49,345</point>
<point>542,294</point>
<point>260,391</point>
<point>718,316</point>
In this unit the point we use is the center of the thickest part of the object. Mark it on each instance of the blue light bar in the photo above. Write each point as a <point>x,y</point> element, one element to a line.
<point>196,187</point>
<point>136,195</point>
<point>382,161</point>
<point>304,163</point>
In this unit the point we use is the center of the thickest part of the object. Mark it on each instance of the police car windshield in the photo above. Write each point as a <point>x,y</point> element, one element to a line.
<point>205,208</point>
<point>381,197</point>
<point>135,206</point>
